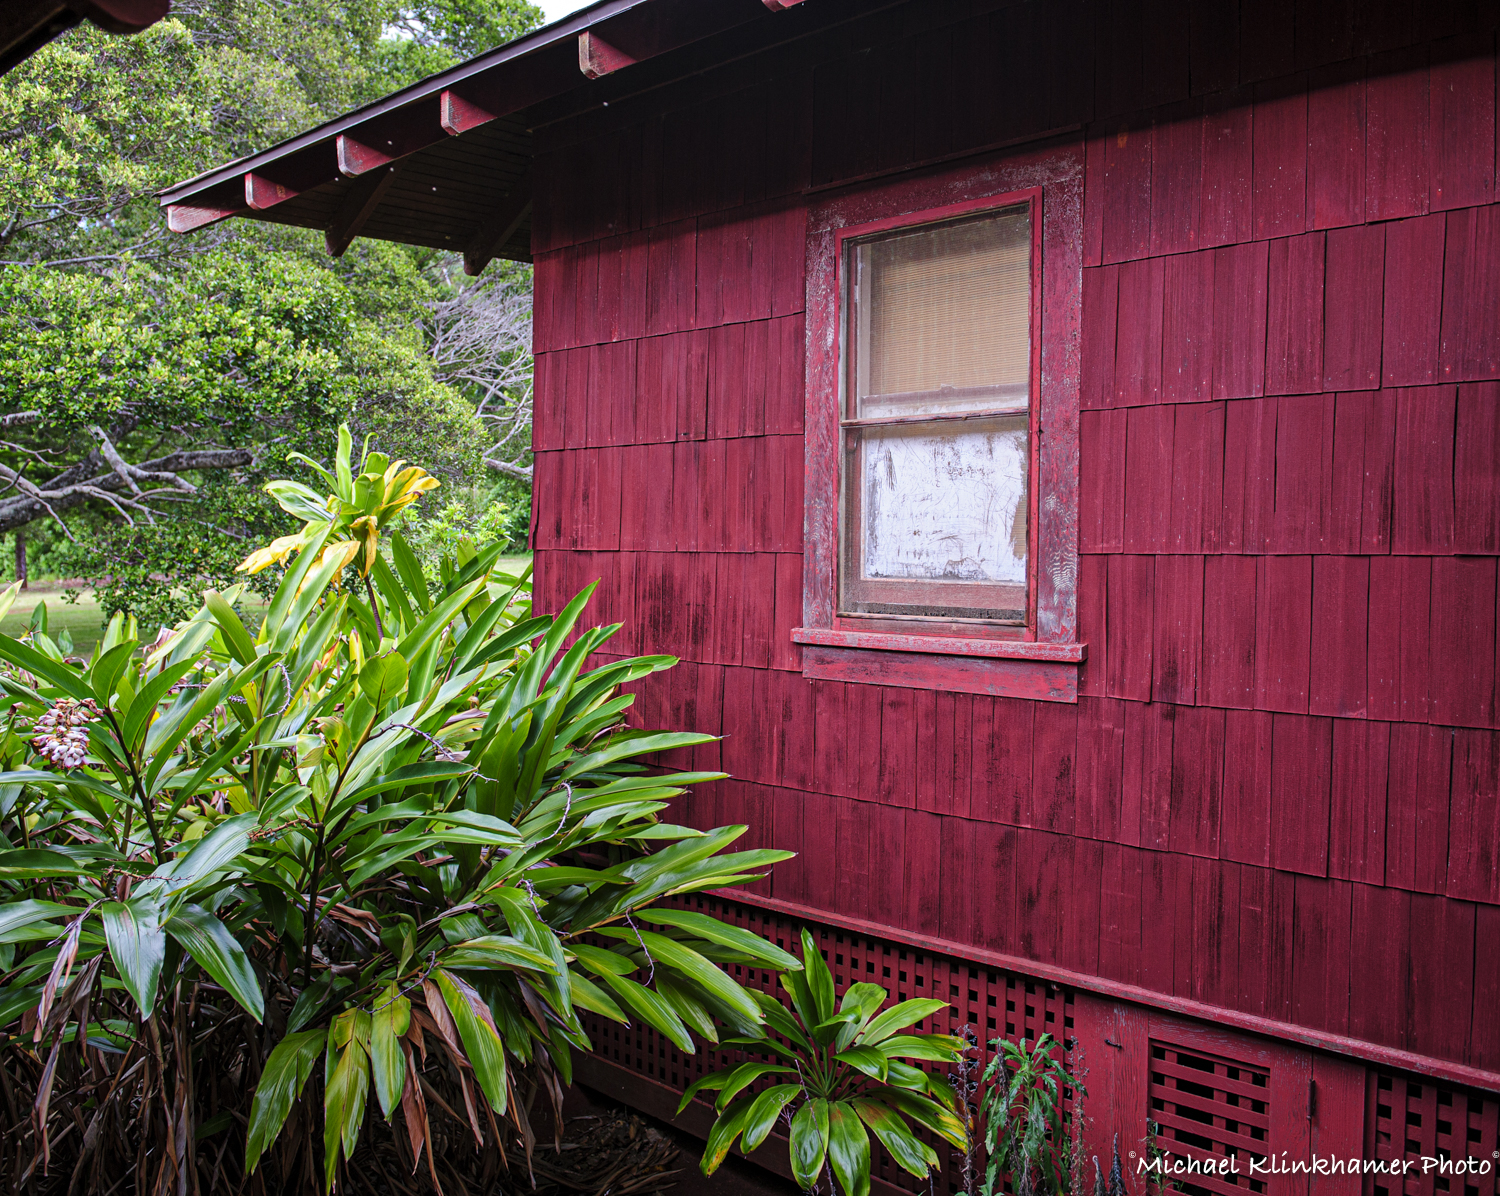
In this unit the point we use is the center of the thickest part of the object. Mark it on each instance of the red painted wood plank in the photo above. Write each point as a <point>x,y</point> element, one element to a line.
<point>1214,47</point>
<point>967,753</point>
<point>1294,320</point>
<point>792,727</point>
<point>1380,941</point>
<point>957,910</point>
<point>1227,670</point>
<point>789,878</point>
<point>1003,752</point>
<point>1228,143</point>
<point>1352,308</point>
<point>1417,807</point>
<point>1249,475</point>
<point>820,844</point>
<point>1093,607</point>
<point>1340,660</point>
<point>1101,287</point>
<point>1139,336</point>
<point>651,492</point>
<point>1400,624</point>
<point>1177,180</point>
<point>1462,117</point>
<point>1177,629</point>
<point>1320,947</point>
<point>1325,32</point>
<point>1197,478</point>
<point>1159,906</point>
<point>933,764</point>
<point>1476,482</point>
<point>785,381</point>
<point>1359,513</point>
<point>1336,145</point>
<point>1044,866</point>
<point>1093,205</point>
<point>767,501</point>
<point>1442,962</point>
<point>833,766</point>
<point>1283,632</point>
<point>1218,931</point>
<point>733,599</point>
<point>757,629</point>
<point>1463,641</point>
<point>1413,300</point>
<point>1187,327</point>
<point>1198,741</point>
<point>1280,172</point>
<point>1304,468</point>
<point>1120,947</point>
<point>994,887</point>
<point>742,488</point>
<point>1079,939</point>
<point>1397,156</point>
<point>695,581</point>
<point>922,868</point>
<point>671,277</point>
<point>788,612</point>
<point>1100,762</point>
<point>1266,40</point>
<point>1471,295</point>
<point>727,380</point>
<point>859,872</point>
<point>1101,467</point>
<point>1053,798</point>
<point>1239,320</point>
<point>1148,478</point>
<point>1146,790</point>
<point>1484,1037</point>
<point>1357,804</point>
<point>1301,785</point>
<point>657,372</point>
<point>1423,475</point>
<point>1127,194</point>
<point>1129,614</point>
<point>793,491</point>
<point>711,498</point>
<point>1474,859</point>
<point>896,779</point>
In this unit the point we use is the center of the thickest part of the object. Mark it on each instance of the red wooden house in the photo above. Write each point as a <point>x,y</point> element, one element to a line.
<point>1062,442</point>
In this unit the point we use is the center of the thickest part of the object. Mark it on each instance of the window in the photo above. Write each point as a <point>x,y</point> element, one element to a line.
<point>941,543</point>
<point>936,421</point>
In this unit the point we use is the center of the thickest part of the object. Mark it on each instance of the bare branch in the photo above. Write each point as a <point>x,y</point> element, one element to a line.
<point>515,471</point>
<point>64,492</point>
<point>16,418</point>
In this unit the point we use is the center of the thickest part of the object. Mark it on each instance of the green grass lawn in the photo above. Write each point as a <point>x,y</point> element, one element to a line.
<point>85,622</point>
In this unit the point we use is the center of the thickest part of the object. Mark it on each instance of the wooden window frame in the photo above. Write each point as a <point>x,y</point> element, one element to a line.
<point>1041,659</point>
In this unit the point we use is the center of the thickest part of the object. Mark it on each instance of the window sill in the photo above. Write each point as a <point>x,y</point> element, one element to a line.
<point>1002,668</point>
<point>941,645</point>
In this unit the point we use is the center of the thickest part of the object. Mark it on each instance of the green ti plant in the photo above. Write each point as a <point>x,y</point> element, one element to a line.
<point>1022,1110</point>
<point>840,1073</point>
<point>399,830</point>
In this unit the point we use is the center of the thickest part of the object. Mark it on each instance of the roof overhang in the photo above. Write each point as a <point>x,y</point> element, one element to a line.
<point>28,25</point>
<point>446,163</point>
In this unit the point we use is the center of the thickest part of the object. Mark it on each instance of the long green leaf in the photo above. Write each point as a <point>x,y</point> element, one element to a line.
<point>721,1137</point>
<point>388,1022</point>
<point>54,673</point>
<point>657,1013</point>
<point>898,1017</point>
<point>909,1151</point>
<point>809,1142</point>
<point>138,945</point>
<point>286,1072</point>
<point>215,950</point>
<point>346,1087</point>
<point>848,1149</point>
<point>476,1028</point>
<point>687,961</point>
<point>763,1113</point>
<point>715,931</point>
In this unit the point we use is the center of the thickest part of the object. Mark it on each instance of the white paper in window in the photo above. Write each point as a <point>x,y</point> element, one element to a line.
<point>945,505</point>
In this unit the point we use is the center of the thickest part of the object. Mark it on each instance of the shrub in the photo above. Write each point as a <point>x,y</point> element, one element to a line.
<point>373,833</point>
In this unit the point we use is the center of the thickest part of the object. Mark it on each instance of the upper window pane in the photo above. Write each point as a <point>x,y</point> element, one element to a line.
<point>943,318</point>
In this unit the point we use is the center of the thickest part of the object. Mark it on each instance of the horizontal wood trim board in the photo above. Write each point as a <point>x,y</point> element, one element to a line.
<point>943,645</point>
<point>1369,1052</point>
<point>1039,680</point>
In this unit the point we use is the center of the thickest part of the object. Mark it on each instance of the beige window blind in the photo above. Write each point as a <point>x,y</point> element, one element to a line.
<point>948,307</point>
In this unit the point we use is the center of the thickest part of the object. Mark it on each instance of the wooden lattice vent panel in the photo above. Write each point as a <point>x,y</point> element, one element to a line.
<point>1410,1117</point>
<point>995,1003</point>
<point>1210,1109</point>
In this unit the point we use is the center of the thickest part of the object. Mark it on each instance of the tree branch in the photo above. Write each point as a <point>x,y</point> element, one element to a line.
<point>515,471</point>
<point>33,502</point>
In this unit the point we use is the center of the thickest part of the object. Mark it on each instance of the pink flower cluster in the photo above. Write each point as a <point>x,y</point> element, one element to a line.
<point>61,735</point>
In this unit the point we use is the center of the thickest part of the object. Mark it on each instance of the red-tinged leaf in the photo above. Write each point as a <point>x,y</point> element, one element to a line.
<point>413,1109</point>
<point>43,1099</point>
<point>62,968</point>
<point>442,1021</point>
<point>463,1079</point>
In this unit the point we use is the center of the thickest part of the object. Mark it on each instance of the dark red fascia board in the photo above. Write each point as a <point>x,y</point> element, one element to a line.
<point>533,68</point>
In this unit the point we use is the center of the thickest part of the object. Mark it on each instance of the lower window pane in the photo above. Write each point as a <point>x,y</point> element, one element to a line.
<point>935,519</point>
